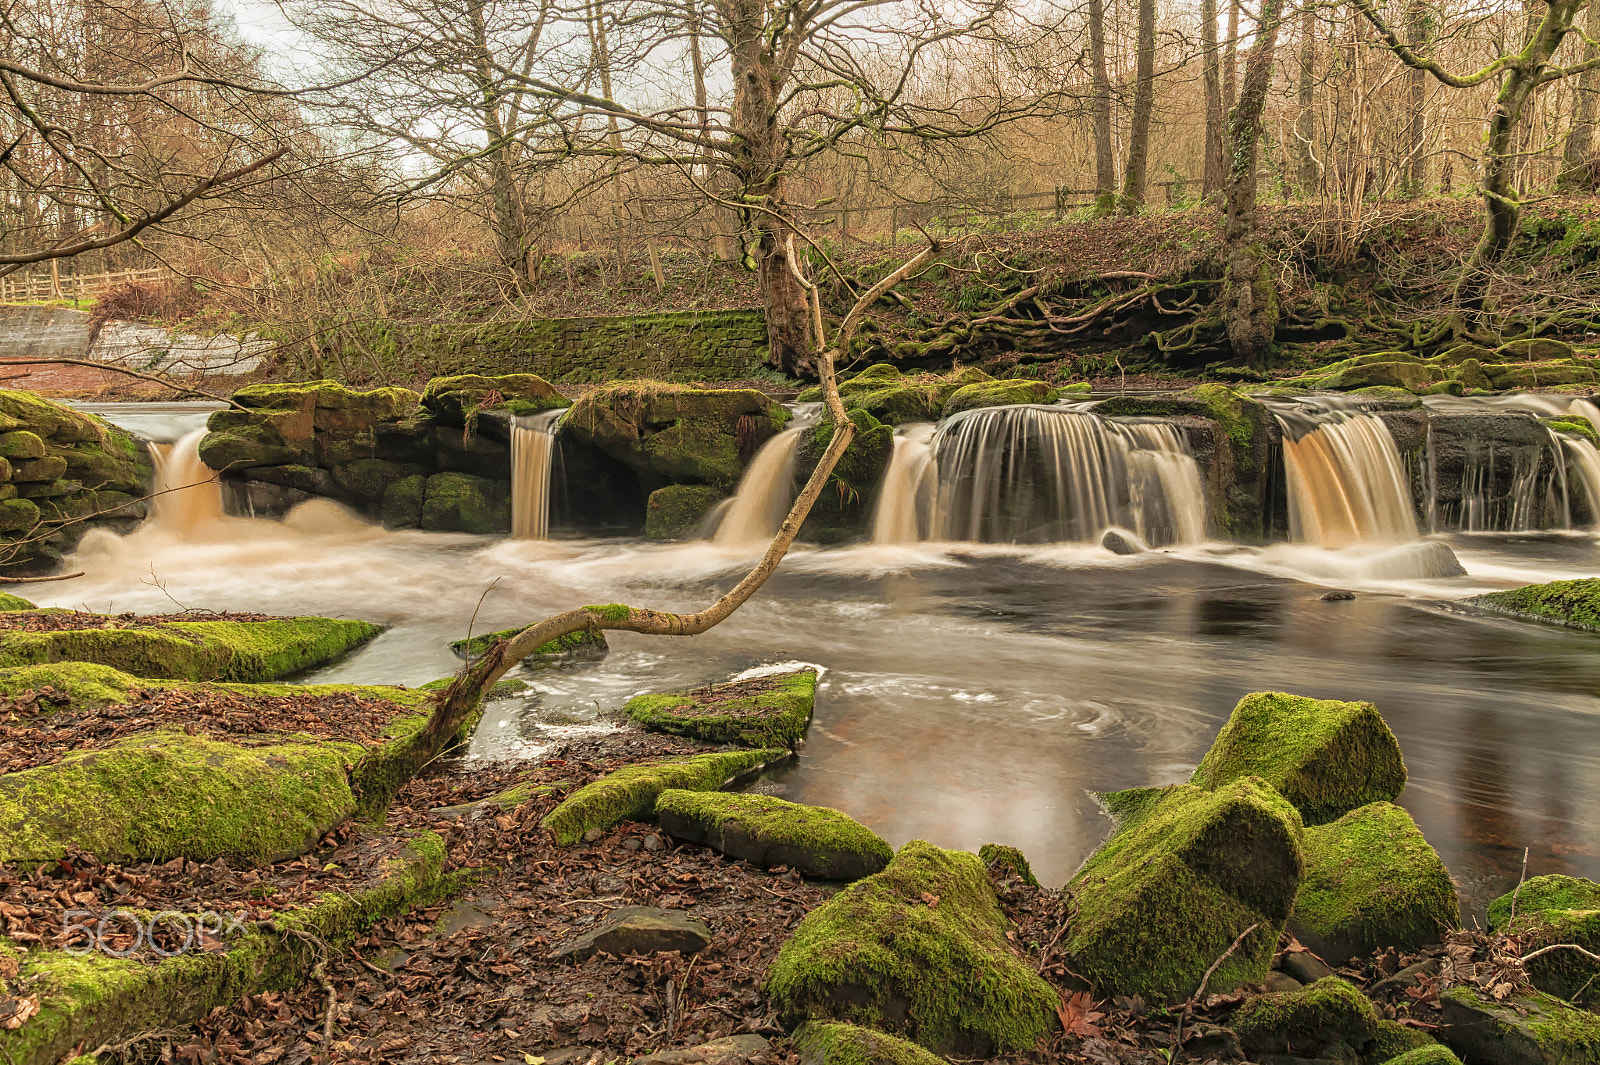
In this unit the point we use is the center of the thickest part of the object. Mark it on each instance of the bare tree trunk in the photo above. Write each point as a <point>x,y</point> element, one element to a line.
<point>1309,172</point>
<point>1215,167</point>
<point>721,246</point>
<point>1144,95</point>
<point>1105,175</point>
<point>505,197</point>
<point>1230,59</point>
<point>1250,297</point>
<point>1578,171</point>
<point>1419,28</point>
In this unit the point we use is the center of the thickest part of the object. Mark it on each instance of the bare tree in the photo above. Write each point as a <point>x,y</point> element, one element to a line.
<point>1577,156</point>
<point>1213,167</point>
<point>1105,168</point>
<point>1144,96</point>
<point>1308,173</point>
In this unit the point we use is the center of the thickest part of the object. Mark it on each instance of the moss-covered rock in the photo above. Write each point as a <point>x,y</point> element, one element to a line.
<point>157,796</point>
<point>844,510</point>
<point>835,1043</point>
<point>454,401</point>
<point>1328,1019</point>
<point>677,511</point>
<point>1550,910</point>
<point>1537,349</point>
<point>770,711</point>
<point>15,602</point>
<point>1372,881</point>
<point>1326,757</point>
<point>1394,1039</point>
<point>17,515</point>
<point>1432,1054</point>
<point>20,445</point>
<point>1201,866</point>
<point>247,447</point>
<point>673,434</point>
<point>630,793</point>
<point>402,502</point>
<point>1540,374</point>
<point>1008,861</point>
<point>766,831</point>
<point>1549,892</point>
<point>1575,604</point>
<point>998,394</point>
<point>194,650</point>
<point>918,950</point>
<point>1574,427</point>
<point>586,644</point>
<point>1529,1027</point>
<point>460,502</point>
<point>894,398</point>
<point>1406,375</point>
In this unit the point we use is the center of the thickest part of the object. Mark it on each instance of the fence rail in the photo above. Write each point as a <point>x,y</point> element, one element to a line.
<point>26,288</point>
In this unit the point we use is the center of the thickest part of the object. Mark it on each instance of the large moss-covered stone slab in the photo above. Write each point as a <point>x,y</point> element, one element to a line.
<point>1575,604</point>
<point>837,1043</point>
<point>1549,892</point>
<point>1326,757</point>
<point>1328,1019</point>
<point>766,831</point>
<point>584,645</point>
<point>770,711</point>
<point>677,511</point>
<point>1436,1054</point>
<point>157,796</point>
<point>1530,1029</point>
<point>454,401</point>
<point>1199,866</point>
<point>94,999</point>
<point>998,394</point>
<point>630,794</point>
<point>920,951</point>
<point>1372,881</point>
<point>673,434</point>
<point>194,650</point>
<point>1550,910</point>
<point>460,502</point>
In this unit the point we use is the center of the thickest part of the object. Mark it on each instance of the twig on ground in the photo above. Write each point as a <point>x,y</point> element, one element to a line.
<point>1199,992</point>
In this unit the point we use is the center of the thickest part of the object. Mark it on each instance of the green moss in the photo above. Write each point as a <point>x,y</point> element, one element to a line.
<point>1200,865</point>
<point>20,445</point>
<point>585,643</point>
<point>1575,604</point>
<point>1326,757</point>
<point>1432,1054</point>
<point>1077,388</point>
<point>1532,1026</point>
<point>460,502</point>
<point>157,796</point>
<point>1329,1013</point>
<point>678,510</point>
<point>630,793</point>
<point>1550,892</point>
<point>943,975</point>
<point>806,837</point>
<point>1567,974</point>
<point>15,602</point>
<point>1008,861</point>
<point>844,510</point>
<point>764,712</point>
<point>195,650</point>
<point>1394,1039</point>
<point>402,502</point>
<point>999,394</point>
<point>610,611</point>
<point>1372,881</point>
<point>1574,427</point>
<point>833,1043</point>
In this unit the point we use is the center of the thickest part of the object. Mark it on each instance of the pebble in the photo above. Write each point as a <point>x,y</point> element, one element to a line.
<point>652,843</point>
<point>592,835</point>
<point>639,930</point>
<point>1337,597</point>
<point>1305,966</point>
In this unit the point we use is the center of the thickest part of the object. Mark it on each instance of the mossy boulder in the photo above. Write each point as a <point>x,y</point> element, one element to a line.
<point>1556,909</point>
<point>1326,757</point>
<point>770,711</point>
<point>835,1043</point>
<point>1008,861</point>
<point>1201,866</point>
<point>1433,1054</point>
<point>1395,1039</point>
<point>157,796</point>
<point>1372,881</point>
<point>1540,374</point>
<point>21,445</point>
<point>677,511</point>
<point>1538,349</point>
<point>583,645</point>
<point>766,831</point>
<point>673,434</point>
<point>454,401</point>
<point>17,515</point>
<point>1549,892</point>
<point>1574,427</point>
<point>998,394</point>
<point>920,951</point>
<point>1528,1028</point>
<point>844,510</point>
<point>247,447</point>
<point>630,793</point>
<point>1575,604</point>
<point>402,502</point>
<point>15,602</point>
<point>194,650</point>
<point>1406,375</point>
<point>460,502</point>
<point>893,398</point>
<point>1329,1019</point>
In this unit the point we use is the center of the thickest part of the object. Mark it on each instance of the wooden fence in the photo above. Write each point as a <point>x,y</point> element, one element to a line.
<point>54,285</point>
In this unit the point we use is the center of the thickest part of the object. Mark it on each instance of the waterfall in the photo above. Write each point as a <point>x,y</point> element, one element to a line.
<point>533,452</point>
<point>765,492</point>
<point>910,485</point>
<point>1346,481</point>
<point>1035,474</point>
<point>188,493</point>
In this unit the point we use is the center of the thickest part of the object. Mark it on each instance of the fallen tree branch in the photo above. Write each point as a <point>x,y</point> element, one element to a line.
<point>1199,992</point>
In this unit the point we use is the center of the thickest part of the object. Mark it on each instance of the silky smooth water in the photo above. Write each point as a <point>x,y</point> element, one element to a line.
<point>978,693</point>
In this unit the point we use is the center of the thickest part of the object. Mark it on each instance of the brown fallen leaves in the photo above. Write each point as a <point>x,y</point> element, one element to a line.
<point>1078,1015</point>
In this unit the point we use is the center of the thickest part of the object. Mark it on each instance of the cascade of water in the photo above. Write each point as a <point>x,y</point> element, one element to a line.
<point>188,495</point>
<point>1035,473</point>
<point>533,452</point>
<point>766,490</point>
<point>907,500</point>
<point>1346,481</point>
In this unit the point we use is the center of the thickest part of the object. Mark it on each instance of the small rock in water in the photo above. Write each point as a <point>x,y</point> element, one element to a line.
<point>1123,542</point>
<point>1336,597</point>
<point>639,930</point>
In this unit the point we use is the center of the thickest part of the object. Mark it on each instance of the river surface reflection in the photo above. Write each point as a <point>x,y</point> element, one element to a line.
<point>976,694</point>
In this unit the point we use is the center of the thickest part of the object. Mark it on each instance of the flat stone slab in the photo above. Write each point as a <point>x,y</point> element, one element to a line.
<point>726,1051</point>
<point>1531,1029</point>
<point>766,831</point>
<point>639,930</point>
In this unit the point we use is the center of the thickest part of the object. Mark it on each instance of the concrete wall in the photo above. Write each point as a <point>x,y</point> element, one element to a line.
<point>37,332</point>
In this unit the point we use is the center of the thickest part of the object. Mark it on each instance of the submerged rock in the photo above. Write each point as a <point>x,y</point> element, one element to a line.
<point>1326,757</point>
<point>630,793</point>
<point>769,711</point>
<point>836,1043</point>
<point>920,951</point>
<point>1123,542</point>
<point>637,930</point>
<point>766,831</point>
<point>1328,1020</point>
<point>677,511</point>
<point>1575,604</point>
<point>1202,867</point>
<point>1529,1029</point>
<point>1415,561</point>
<point>1372,881</point>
